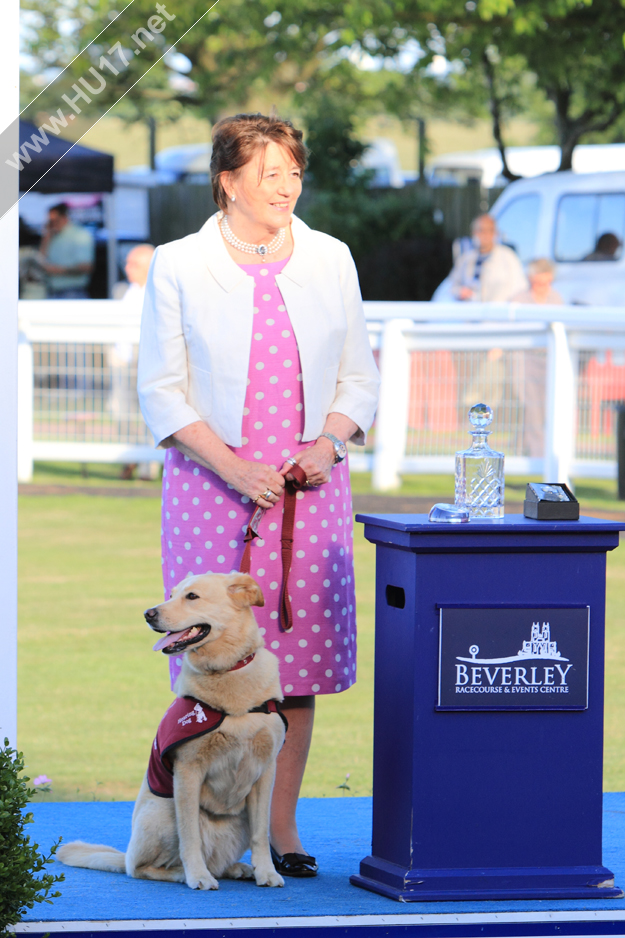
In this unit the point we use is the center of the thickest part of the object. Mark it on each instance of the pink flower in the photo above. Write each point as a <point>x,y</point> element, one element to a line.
<point>42,780</point>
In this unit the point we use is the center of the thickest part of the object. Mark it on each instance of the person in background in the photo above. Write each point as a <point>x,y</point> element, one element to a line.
<point>490,272</point>
<point>123,354</point>
<point>68,254</point>
<point>607,248</point>
<point>132,290</point>
<point>540,274</point>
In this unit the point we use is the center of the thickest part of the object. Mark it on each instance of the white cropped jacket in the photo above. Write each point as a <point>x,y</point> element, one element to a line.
<point>196,334</point>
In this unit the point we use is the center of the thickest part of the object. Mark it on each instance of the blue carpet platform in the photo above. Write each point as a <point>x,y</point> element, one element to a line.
<point>338,833</point>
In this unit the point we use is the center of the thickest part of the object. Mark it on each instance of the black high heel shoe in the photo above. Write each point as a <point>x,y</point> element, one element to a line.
<point>294,864</point>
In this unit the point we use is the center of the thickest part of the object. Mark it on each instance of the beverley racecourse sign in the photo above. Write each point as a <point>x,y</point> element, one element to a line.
<point>513,658</point>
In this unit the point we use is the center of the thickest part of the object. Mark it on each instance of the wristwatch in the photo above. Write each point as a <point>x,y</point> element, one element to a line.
<point>340,450</point>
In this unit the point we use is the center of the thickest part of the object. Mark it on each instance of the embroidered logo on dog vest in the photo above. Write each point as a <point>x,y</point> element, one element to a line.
<point>186,718</point>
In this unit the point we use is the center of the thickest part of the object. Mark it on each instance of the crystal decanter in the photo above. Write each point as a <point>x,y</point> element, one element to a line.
<point>479,470</point>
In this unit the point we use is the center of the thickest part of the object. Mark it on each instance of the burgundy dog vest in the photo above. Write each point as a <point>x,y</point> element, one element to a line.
<point>186,718</point>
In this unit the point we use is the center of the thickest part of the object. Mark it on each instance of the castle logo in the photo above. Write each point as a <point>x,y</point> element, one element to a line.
<point>539,645</point>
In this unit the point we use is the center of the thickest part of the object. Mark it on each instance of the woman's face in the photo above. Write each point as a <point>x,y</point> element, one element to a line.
<point>541,282</point>
<point>267,188</point>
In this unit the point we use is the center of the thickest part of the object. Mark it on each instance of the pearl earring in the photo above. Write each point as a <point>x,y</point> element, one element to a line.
<point>233,198</point>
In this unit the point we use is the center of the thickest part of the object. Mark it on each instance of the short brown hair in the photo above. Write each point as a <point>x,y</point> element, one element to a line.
<point>236,140</point>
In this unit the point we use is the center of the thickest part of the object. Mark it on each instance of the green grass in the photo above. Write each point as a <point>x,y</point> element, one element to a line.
<point>91,474</point>
<point>591,493</point>
<point>91,691</point>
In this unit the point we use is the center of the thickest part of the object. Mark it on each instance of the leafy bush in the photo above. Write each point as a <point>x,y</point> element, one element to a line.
<point>365,218</point>
<point>20,861</point>
<point>334,152</point>
<point>399,250</point>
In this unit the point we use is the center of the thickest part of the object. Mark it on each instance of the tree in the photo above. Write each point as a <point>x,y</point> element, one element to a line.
<point>502,56</point>
<point>235,52</point>
<point>585,80</point>
<point>503,51</point>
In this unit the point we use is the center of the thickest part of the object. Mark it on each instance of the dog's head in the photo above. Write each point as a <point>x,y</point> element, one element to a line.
<point>202,609</point>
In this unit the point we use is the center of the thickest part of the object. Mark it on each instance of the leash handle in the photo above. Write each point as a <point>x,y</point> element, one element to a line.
<point>288,522</point>
<point>299,476</point>
<point>286,540</point>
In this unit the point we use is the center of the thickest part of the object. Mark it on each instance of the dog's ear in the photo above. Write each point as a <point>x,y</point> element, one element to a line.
<point>245,591</point>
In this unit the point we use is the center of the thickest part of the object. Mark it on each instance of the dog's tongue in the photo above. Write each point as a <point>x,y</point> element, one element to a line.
<point>169,639</point>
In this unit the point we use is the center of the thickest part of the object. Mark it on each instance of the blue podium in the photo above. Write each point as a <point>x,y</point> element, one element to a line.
<point>488,726</point>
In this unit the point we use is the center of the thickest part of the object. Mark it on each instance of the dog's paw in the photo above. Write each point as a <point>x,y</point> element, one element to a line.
<point>267,876</point>
<point>240,871</point>
<point>202,880</point>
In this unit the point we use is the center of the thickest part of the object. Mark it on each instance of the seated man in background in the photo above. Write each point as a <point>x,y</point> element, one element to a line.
<point>540,274</point>
<point>490,272</point>
<point>68,252</point>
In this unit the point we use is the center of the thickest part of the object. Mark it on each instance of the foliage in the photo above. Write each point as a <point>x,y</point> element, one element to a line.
<point>234,52</point>
<point>334,151</point>
<point>366,218</point>
<point>461,57</point>
<point>20,861</point>
<point>570,50</point>
<point>399,250</point>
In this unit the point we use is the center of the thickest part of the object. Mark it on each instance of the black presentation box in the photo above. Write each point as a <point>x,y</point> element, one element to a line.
<point>550,501</point>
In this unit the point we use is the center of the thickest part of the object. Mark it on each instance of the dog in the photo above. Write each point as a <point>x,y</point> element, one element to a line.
<point>221,774</point>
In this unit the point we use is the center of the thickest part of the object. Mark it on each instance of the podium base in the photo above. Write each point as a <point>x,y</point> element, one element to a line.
<point>395,882</point>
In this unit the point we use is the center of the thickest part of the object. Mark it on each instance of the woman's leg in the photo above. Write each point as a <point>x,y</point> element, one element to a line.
<point>300,712</point>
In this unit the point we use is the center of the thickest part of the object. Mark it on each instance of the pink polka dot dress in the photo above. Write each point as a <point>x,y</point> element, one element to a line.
<point>204,519</point>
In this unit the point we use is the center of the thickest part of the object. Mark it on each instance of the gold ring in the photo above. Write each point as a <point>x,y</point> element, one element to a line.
<point>266,495</point>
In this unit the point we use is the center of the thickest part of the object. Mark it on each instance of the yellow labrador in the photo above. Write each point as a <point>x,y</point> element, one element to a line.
<point>222,769</point>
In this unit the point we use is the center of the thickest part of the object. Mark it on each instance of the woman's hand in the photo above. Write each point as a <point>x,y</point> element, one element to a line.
<point>252,479</point>
<point>316,461</point>
<point>200,443</point>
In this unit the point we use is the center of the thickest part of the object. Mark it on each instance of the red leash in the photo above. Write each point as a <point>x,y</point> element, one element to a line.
<point>288,523</point>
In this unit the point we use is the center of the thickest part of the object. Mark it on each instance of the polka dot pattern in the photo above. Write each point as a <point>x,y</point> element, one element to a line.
<point>203,518</point>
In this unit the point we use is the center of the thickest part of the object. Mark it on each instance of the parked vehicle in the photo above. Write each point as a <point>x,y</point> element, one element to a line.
<point>575,219</point>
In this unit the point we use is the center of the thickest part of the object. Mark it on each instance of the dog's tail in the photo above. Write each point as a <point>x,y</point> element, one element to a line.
<point>92,857</point>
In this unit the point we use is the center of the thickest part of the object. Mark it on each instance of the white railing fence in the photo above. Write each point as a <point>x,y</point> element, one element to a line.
<point>553,376</point>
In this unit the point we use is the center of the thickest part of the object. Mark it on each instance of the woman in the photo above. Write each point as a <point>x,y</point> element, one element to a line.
<point>255,355</point>
<point>541,274</point>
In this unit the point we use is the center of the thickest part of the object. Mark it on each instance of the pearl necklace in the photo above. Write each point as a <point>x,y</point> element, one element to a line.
<point>244,246</point>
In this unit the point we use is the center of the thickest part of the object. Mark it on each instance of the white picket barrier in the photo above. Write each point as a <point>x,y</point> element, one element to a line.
<point>553,375</point>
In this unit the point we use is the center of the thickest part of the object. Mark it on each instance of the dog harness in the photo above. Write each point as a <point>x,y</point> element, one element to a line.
<point>187,718</point>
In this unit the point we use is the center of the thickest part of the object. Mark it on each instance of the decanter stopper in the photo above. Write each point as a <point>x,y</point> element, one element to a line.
<point>480,470</point>
<point>481,415</point>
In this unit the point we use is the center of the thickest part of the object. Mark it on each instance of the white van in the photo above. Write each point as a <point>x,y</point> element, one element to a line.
<point>578,221</point>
